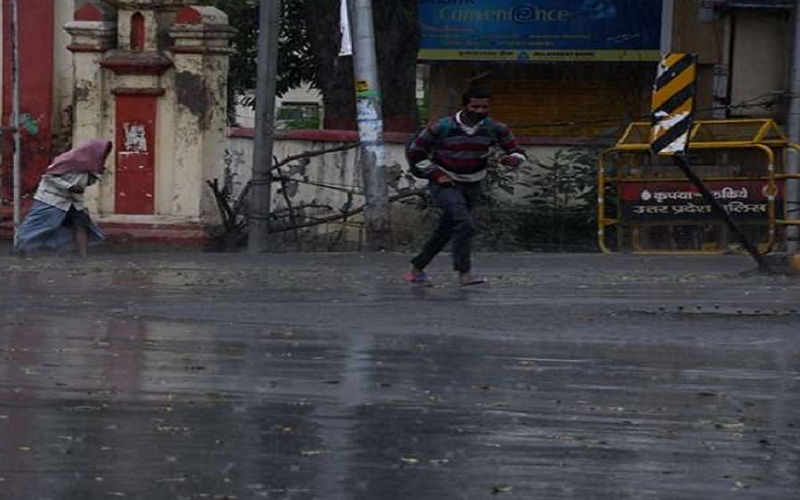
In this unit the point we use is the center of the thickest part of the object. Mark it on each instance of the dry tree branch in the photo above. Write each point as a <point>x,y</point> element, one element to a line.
<point>292,213</point>
<point>335,241</point>
<point>317,184</point>
<point>347,214</point>
<point>231,210</point>
<point>312,154</point>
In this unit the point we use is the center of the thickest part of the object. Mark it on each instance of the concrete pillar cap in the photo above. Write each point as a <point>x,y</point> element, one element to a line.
<point>149,4</point>
<point>95,12</point>
<point>201,15</point>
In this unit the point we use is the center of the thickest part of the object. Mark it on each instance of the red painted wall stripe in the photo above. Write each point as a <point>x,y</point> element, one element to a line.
<point>37,38</point>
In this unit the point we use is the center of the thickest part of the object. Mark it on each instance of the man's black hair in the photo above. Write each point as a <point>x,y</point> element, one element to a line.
<point>474,93</point>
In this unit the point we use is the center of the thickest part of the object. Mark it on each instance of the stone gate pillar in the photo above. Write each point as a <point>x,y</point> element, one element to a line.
<point>201,51</point>
<point>94,32</point>
<point>151,75</point>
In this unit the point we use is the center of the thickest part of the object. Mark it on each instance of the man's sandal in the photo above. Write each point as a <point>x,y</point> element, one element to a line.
<point>475,281</point>
<point>418,279</point>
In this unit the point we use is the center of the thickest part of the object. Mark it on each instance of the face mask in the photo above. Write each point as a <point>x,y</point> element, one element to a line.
<point>472,117</point>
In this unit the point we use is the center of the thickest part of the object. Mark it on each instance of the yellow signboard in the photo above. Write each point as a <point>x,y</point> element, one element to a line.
<point>538,55</point>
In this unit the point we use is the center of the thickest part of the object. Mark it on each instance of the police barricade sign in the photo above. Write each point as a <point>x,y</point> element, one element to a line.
<point>647,205</point>
<point>673,104</point>
<point>746,201</point>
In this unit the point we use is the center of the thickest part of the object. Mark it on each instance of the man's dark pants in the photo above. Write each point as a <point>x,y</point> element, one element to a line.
<point>456,202</point>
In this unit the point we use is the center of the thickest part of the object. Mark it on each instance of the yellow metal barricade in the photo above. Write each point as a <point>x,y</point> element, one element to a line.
<point>795,148</point>
<point>645,205</point>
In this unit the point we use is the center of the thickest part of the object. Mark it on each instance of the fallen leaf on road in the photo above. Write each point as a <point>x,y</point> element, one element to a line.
<point>504,488</point>
<point>313,453</point>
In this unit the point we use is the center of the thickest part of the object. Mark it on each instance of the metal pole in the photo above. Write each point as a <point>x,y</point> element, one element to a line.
<point>269,18</point>
<point>372,155</point>
<point>793,132</point>
<point>683,163</point>
<point>665,42</point>
<point>15,78</point>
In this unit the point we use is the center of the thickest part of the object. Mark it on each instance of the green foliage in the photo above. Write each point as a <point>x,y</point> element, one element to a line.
<point>562,203</point>
<point>568,183</point>
<point>308,52</point>
<point>547,206</point>
<point>498,223</point>
<point>298,117</point>
<point>555,213</point>
<point>423,112</point>
<point>295,64</point>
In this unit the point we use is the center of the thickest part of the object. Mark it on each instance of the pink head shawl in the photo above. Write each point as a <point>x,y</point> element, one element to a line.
<point>89,157</point>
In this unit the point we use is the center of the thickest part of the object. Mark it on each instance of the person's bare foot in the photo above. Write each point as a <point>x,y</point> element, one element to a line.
<point>467,279</point>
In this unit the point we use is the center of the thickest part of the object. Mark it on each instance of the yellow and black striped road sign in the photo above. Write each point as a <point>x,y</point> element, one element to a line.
<point>673,103</point>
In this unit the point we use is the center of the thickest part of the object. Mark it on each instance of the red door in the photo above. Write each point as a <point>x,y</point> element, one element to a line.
<point>135,144</point>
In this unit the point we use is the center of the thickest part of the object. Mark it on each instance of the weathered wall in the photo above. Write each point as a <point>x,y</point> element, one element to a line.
<point>690,33</point>
<point>36,52</point>
<point>760,66</point>
<point>338,170</point>
<point>63,83</point>
<point>333,169</point>
<point>183,140</point>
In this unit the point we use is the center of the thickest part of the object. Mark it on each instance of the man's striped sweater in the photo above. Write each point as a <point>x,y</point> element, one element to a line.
<point>449,147</point>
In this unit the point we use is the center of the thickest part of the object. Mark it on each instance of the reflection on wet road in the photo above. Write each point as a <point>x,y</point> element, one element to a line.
<point>228,380</point>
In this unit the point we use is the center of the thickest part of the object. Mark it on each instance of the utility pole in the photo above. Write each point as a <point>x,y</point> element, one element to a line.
<point>793,132</point>
<point>372,155</point>
<point>665,41</point>
<point>260,202</point>
<point>15,112</point>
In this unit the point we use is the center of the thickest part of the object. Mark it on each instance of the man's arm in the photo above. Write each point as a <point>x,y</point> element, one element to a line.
<point>419,150</point>
<point>59,182</point>
<point>515,155</point>
<point>72,182</point>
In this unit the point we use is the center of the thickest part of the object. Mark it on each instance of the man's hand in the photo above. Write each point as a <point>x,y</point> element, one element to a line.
<point>76,189</point>
<point>512,160</point>
<point>445,180</point>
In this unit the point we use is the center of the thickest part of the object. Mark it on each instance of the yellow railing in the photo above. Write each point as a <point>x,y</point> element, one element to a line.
<point>761,135</point>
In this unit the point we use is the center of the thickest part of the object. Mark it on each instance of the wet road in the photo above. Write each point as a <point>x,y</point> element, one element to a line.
<point>188,376</point>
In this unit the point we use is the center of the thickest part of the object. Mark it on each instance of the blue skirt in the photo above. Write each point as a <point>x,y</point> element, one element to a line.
<point>49,228</point>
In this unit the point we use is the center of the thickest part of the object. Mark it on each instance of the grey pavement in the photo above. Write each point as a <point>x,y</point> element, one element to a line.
<point>324,376</point>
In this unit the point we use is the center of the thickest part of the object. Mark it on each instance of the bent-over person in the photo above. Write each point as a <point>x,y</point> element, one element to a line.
<point>59,219</point>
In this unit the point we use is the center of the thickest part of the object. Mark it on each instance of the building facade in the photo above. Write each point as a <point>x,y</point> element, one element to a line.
<point>562,73</point>
<point>150,75</point>
<point>583,70</point>
<point>46,86</point>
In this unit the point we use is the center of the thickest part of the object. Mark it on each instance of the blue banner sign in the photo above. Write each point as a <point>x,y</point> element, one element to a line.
<point>540,30</point>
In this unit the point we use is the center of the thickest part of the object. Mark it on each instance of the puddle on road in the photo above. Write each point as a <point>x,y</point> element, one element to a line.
<point>96,407</point>
<point>134,276</point>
